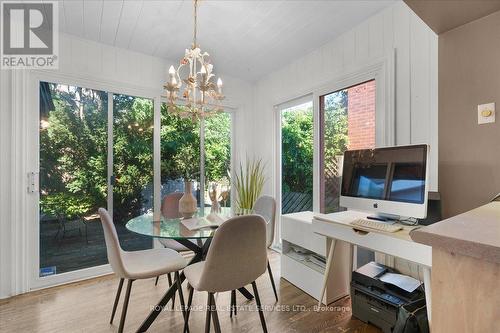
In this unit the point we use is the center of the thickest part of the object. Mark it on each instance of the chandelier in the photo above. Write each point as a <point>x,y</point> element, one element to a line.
<point>201,96</point>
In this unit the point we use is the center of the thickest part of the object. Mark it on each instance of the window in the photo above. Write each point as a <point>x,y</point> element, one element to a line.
<point>181,147</point>
<point>73,177</point>
<point>297,158</point>
<point>347,122</point>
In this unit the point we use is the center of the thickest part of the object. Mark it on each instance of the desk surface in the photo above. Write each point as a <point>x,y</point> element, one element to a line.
<point>346,217</point>
<point>475,233</point>
<point>398,244</point>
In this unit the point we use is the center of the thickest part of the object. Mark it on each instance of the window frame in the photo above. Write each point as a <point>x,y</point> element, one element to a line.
<point>382,71</point>
<point>278,158</point>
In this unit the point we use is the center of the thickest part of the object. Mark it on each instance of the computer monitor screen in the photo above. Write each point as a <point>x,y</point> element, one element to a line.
<point>408,182</point>
<point>369,182</point>
<point>392,174</point>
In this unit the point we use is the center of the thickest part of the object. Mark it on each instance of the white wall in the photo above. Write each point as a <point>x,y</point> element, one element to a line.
<point>83,61</point>
<point>396,27</point>
<point>5,184</point>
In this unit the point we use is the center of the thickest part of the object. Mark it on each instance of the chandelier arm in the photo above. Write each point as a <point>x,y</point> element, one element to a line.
<point>179,81</point>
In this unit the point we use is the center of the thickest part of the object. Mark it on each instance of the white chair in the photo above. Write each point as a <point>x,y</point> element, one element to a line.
<point>136,265</point>
<point>237,257</point>
<point>265,206</point>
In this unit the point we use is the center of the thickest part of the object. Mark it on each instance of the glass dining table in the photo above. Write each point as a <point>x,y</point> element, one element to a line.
<point>197,241</point>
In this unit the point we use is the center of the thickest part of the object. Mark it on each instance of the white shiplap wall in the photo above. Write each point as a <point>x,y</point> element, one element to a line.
<point>396,27</point>
<point>99,65</point>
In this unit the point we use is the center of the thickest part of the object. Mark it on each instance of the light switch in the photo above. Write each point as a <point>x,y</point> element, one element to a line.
<point>486,113</point>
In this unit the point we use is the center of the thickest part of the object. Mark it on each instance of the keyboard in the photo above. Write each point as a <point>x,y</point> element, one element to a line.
<point>380,226</point>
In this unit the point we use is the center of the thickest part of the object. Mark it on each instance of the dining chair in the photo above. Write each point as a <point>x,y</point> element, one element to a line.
<point>265,206</point>
<point>137,265</point>
<point>170,210</point>
<point>237,257</point>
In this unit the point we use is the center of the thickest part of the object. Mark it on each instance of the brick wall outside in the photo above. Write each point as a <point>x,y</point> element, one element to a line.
<point>361,115</point>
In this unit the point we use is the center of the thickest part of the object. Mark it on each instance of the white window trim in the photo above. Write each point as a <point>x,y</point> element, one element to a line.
<point>382,70</point>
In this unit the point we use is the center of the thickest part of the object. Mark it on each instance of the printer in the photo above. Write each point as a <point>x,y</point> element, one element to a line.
<point>377,293</point>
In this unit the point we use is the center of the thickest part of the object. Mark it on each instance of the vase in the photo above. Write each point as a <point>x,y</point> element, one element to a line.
<point>188,204</point>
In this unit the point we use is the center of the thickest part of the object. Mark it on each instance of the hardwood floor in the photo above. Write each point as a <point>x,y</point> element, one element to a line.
<point>86,307</point>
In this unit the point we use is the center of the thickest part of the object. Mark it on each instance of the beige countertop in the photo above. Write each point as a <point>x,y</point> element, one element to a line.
<point>475,233</point>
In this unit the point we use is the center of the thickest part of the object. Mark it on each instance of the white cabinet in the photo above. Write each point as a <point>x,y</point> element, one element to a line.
<point>296,232</point>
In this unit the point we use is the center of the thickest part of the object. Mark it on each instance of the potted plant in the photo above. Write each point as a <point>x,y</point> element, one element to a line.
<point>248,183</point>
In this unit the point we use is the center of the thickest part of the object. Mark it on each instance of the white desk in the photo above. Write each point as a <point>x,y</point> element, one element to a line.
<point>399,244</point>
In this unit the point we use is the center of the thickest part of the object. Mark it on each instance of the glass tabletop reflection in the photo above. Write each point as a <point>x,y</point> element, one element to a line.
<point>171,228</point>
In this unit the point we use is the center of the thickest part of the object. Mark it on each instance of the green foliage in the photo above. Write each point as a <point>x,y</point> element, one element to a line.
<point>248,184</point>
<point>336,138</point>
<point>66,205</point>
<point>217,147</point>
<point>181,137</point>
<point>178,139</point>
<point>73,153</point>
<point>74,149</point>
<point>297,141</point>
<point>297,150</point>
<point>132,153</point>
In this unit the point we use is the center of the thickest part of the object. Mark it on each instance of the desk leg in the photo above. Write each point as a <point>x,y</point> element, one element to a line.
<point>329,261</point>
<point>354,260</point>
<point>428,292</point>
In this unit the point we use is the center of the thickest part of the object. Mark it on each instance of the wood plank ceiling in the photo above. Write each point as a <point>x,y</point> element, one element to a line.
<point>246,39</point>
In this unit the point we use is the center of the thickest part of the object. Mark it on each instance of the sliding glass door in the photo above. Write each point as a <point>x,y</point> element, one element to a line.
<point>77,167</point>
<point>73,177</point>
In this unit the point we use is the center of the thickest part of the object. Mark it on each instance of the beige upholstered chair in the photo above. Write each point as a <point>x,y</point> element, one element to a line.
<point>265,206</point>
<point>237,256</point>
<point>136,265</point>
<point>170,210</point>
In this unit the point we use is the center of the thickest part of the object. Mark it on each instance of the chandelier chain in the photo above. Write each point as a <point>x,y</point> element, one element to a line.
<point>195,22</point>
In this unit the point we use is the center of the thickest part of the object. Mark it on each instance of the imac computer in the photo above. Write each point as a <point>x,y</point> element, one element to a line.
<point>390,182</point>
